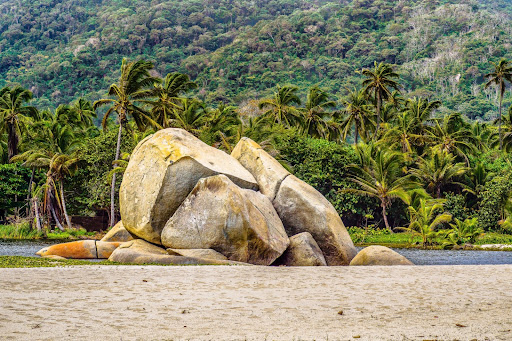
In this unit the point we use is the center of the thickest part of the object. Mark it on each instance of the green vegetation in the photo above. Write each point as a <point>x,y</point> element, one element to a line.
<point>392,110</point>
<point>25,231</point>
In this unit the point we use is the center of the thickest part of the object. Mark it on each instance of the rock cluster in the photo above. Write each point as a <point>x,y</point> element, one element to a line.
<point>184,202</point>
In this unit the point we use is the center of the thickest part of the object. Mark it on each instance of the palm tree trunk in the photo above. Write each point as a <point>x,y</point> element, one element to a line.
<point>499,122</point>
<point>64,210</point>
<point>12,141</point>
<point>384,215</point>
<point>379,103</point>
<point>54,215</point>
<point>30,189</point>
<point>113,186</point>
<point>35,205</point>
<point>356,135</point>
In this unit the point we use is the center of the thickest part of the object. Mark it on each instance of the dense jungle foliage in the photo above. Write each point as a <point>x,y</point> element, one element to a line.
<point>239,50</point>
<point>398,112</point>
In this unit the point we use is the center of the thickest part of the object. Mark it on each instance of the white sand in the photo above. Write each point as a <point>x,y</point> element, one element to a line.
<point>256,303</point>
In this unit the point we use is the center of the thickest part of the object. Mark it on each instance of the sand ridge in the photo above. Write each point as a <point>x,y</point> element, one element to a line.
<point>257,303</point>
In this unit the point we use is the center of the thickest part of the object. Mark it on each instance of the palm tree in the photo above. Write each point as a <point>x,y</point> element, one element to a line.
<point>315,115</point>
<point>378,83</point>
<point>379,175</point>
<point>502,73</point>
<point>83,112</point>
<point>190,115</point>
<point>356,115</point>
<point>14,115</point>
<point>402,133</point>
<point>420,111</point>
<point>438,170</point>
<point>131,88</point>
<point>222,124</point>
<point>168,97</point>
<point>425,219</point>
<point>452,135</point>
<point>281,107</point>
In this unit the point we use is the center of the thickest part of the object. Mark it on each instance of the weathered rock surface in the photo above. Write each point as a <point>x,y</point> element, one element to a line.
<point>197,253</point>
<point>379,255</point>
<point>162,171</point>
<point>302,251</point>
<point>266,170</point>
<point>117,234</point>
<point>240,224</point>
<point>303,209</point>
<point>139,251</point>
<point>83,249</point>
<point>54,257</point>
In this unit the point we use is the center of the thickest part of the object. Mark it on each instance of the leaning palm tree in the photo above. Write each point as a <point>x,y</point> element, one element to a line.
<point>281,106</point>
<point>356,115</point>
<point>502,73</point>
<point>315,114</point>
<point>439,170</point>
<point>14,115</point>
<point>378,83</point>
<point>132,87</point>
<point>379,174</point>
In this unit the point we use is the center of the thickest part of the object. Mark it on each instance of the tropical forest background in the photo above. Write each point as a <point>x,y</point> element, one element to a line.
<point>397,111</point>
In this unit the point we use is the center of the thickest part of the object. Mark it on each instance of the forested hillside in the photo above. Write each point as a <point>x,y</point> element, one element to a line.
<point>239,50</point>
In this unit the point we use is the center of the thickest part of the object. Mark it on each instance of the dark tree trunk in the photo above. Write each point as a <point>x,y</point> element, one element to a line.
<point>12,141</point>
<point>113,186</point>
<point>384,215</point>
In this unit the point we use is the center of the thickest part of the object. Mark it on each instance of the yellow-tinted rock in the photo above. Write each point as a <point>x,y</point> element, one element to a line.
<point>197,253</point>
<point>55,257</point>
<point>379,255</point>
<point>84,249</point>
<point>266,170</point>
<point>117,234</point>
<point>240,224</point>
<point>162,171</point>
<point>302,251</point>
<point>303,209</point>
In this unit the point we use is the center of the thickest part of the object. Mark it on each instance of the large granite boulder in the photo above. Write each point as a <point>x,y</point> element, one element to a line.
<point>240,224</point>
<point>300,206</point>
<point>266,170</point>
<point>117,234</point>
<point>83,249</point>
<point>303,209</point>
<point>162,171</point>
<point>302,251</point>
<point>379,255</point>
<point>197,253</point>
<point>139,251</point>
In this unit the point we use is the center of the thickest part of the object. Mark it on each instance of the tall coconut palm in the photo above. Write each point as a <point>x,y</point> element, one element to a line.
<point>14,114</point>
<point>281,106</point>
<point>315,113</point>
<point>356,115</point>
<point>502,73</point>
<point>439,170</point>
<point>379,174</point>
<point>132,87</point>
<point>378,83</point>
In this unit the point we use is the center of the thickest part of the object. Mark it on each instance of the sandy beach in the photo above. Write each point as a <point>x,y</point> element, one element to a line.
<point>256,303</point>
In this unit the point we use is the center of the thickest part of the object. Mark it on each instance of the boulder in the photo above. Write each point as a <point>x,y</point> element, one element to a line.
<point>83,249</point>
<point>266,170</point>
<point>379,255</point>
<point>54,257</point>
<point>162,171</point>
<point>105,249</point>
<point>197,253</point>
<point>139,251</point>
<point>302,251</point>
<point>304,209</point>
<point>240,224</point>
<point>117,234</point>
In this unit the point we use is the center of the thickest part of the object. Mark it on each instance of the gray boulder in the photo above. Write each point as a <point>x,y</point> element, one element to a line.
<point>302,251</point>
<point>240,224</point>
<point>162,171</point>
